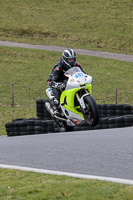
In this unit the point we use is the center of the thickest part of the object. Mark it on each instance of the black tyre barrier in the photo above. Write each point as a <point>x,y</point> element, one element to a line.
<point>37,126</point>
<point>105,126</point>
<point>105,110</point>
<point>119,112</point>
<point>111,116</point>
<point>41,111</point>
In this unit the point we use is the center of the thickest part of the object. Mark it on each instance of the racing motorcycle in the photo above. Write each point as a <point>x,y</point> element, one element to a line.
<point>77,106</point>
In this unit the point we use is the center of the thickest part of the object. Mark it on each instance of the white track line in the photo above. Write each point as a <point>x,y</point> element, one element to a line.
<point>115,180</point>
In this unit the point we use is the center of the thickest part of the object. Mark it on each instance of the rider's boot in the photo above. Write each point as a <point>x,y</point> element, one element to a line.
<point>55,107</point>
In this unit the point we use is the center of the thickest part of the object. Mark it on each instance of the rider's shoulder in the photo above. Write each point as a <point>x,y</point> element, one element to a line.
<point>58,68</point>
<point>77,64</point>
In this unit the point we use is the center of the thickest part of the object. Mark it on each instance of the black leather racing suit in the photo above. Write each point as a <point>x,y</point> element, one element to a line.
<point>57,75</point>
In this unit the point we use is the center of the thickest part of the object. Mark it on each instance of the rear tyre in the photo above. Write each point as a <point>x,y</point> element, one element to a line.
<point>92,115</point>
<point>62,126</point>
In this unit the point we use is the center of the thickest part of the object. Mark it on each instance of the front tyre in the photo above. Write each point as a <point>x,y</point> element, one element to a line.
<point>91,114</point>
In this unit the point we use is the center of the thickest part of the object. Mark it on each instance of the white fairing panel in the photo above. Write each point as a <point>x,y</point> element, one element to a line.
<point>77,78</point>
<point>71,114</point>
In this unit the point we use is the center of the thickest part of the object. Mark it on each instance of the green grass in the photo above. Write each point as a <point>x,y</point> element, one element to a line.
<point>19,185</point>
<point>29,69</point>
<point>90,24</point>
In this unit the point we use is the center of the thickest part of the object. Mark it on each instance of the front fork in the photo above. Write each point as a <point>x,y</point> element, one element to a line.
<point>84,108</point>
<point>81,100</point>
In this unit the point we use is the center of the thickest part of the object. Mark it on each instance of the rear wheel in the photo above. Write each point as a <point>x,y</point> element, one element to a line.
<point>91,114</point>
<point>62,126</point>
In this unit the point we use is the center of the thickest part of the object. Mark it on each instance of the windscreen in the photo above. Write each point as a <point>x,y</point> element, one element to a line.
<point>72,71</point>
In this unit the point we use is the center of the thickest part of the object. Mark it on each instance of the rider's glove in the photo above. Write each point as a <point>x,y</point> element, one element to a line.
<point>49,83</point>
<point>59,85</point>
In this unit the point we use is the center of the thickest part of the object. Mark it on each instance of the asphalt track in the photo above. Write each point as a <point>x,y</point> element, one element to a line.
<point>101,154</point>
<point>116,56</point>
<point>104,153</point>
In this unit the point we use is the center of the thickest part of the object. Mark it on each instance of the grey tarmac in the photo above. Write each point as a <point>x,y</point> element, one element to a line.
<point>105,152</point>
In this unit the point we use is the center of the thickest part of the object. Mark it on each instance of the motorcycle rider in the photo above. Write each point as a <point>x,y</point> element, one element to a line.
<point>57,80</point>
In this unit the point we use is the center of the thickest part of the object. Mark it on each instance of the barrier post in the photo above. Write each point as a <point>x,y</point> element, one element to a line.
<point>12,94</point>
<point>116,95</point>
<point>106,96</point>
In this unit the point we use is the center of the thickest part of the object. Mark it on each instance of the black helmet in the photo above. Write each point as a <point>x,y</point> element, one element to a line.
<point>69,57</point>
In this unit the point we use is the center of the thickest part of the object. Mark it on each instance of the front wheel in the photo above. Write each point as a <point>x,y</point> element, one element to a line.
<point>91,114</point>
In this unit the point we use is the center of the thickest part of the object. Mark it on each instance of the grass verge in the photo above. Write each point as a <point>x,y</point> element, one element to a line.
<point>100,25</point>
<point>29,69</point>
<point>18,185</point>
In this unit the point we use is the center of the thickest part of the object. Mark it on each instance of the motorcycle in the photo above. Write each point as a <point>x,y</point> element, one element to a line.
<point>77,106</point>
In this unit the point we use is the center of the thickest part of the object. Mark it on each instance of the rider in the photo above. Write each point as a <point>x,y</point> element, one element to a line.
<point>57,80</point>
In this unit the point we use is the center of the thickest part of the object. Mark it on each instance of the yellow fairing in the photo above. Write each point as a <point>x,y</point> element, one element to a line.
<point>67,99</point>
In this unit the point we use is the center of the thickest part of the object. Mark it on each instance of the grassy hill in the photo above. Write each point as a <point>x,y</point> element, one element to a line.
<point>90,24</point>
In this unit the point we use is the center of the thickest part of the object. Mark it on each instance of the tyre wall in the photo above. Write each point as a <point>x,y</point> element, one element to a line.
<point>111,116</point>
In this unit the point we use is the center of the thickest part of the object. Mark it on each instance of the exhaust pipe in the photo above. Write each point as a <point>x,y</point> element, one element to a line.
<point>49,109</point>
<point>60,118</point>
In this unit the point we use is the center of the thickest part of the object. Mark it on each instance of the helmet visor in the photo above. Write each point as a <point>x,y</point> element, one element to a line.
<point>71,61</point>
